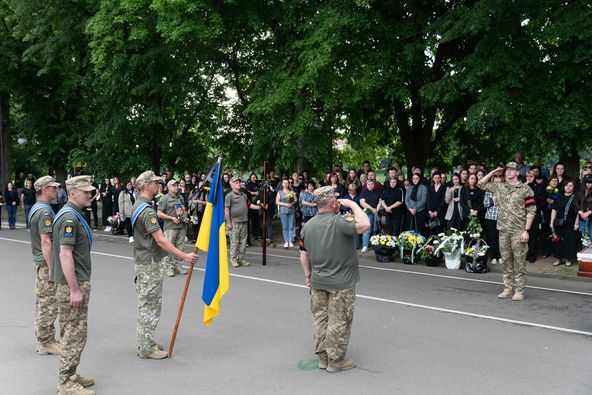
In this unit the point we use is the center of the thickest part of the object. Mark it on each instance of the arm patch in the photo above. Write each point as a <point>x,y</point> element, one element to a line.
<point>529,201</point>
<point>301,245</point>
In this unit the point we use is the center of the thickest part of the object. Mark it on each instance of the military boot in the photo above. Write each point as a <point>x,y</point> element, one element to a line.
<point>338,366</point>
<point>85,381</point>
<point>244,263</point>
<point>49,348</point>
<point>323,361</point>
<point>234,264</point>
<point>507,293</point>
<point>170,272</point>
<point>156,354</point>
<point>518,296</point>
<point>180,270</point>
<point>73,387</point>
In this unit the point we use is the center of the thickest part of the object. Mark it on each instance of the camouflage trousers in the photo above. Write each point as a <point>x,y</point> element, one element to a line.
<point>46,307</point>
<point>73,327</point>
<point>238,241</point>
<point>513,253</point>
<point>333,313</point>
<point>149,290</point>
<point>177,238</point>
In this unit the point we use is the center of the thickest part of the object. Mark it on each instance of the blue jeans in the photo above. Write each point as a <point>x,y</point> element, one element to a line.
<point>288,226</point>
<point>369,232</point>
<point>11,215</point>
<point>27,211</point>
<point>583,228</point>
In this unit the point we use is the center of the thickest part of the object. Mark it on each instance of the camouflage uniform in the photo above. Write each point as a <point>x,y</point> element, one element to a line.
<point>516,204</point>
<point>238,241</point>
<point>73,324</point>
<point>46,307</point>
<point>333,313</point>
<point>177,238</point>
<point>328,240</point>
<point>174,206</point>
<point>149,288</point>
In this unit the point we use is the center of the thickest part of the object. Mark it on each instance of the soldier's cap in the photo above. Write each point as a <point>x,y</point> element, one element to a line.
<point>45,181</point>
<point>511,165</point>
<point>146,178</point>
<point>324,194</point>
<point>235,179</point>
<point>171,182</point>
<point>80,182</point>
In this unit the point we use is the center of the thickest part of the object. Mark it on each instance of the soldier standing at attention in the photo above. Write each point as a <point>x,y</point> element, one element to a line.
<point>171,209</point>
<point>46,308</point>
<point>330,263</point>
<point>236,215</point>
<point>150,246</point>
<point>517,208</point>
<point>72,241</point>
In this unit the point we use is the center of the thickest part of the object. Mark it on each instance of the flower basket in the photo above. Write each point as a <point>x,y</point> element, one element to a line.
<point>432,261</point>
<point>427,253</point>
<point>452,260</point>
<point>384,254</point>
<point>476,256</point>
<point>409,244</point>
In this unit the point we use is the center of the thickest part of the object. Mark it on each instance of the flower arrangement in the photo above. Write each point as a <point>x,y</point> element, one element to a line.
<point>451,242</point>
<point>477,249</point>
<point>474,228</point>
<point>550,189</point>
<point>554,237</point>
<point>427,252</point>
<point>384,241</point>
<point>410,241</point>
<point>289,198</point>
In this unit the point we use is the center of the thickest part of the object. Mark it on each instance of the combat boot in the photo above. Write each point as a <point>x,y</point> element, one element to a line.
<point>85,381</point>
<point>244,263</point>
<point>170,273</point>
<point>156,354</point>
<point>518,296</point>
<point>180,270</point>
<point>338,366</point>
<point>73,387</point>
<point>507,293</point>
<point>234,264</point>
<point>49,348</point>
<point>323,361</point>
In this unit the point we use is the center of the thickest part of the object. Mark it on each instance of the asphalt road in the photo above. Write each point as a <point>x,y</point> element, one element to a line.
<point>417,330</point>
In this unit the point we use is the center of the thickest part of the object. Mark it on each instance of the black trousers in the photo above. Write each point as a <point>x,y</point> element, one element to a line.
<point>94,209</point>
<point>394,224</point>
<point>533,238</point>
<point>417,222</point>
<point>493,238</point>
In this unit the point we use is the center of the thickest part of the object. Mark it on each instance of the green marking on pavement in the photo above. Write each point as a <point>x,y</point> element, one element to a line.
<point>308,364</point>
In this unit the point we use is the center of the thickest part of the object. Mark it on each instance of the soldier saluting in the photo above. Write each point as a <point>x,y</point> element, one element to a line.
<point>517,208</point>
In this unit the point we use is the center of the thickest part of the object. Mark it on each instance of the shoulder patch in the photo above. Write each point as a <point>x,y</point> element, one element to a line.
<point>68,231</point>
<point>70,220</point>
<point>348,218</point>
<point>47,222</point>
<point>153,220</point>
<point>46,213</point>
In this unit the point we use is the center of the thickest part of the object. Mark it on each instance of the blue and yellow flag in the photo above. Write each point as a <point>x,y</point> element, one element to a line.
<point>212,239</point>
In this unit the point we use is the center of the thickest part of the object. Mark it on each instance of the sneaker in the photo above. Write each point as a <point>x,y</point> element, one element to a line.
<point>50,348</point>
<point>180,270</point>
<point>170,273</point>
<point>131,239</point>
<point>234,264</point>
<point>500,261</point>
<point>244,263</point>
<point>73,387</point>
<point>364,249</point>
<point>156,354</point>
<point>286,244</point>
<point>494,261</point>
<point>506,293</point>
<point>323,361</point>
<point>108,228</point>
<point>344,364</point>
<point>290,245</point>
<point>518,296</point>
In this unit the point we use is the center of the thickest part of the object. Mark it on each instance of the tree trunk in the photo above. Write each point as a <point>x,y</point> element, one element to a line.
<point>571,160</point>
<point>61,173</point>
<point>156,149</point>
<point>5,131</point>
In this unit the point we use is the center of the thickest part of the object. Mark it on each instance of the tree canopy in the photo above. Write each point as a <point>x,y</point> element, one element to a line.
<point>125,85</point>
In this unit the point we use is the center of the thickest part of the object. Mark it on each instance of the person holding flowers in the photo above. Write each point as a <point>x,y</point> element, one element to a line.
<point>565,224</point>
<point>286,200</point>
<point>471,200</point>
<point>516,212</point>
<point>584,206</point>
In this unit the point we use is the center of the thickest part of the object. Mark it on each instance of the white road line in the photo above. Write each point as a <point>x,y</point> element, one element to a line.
<point>391,301</point>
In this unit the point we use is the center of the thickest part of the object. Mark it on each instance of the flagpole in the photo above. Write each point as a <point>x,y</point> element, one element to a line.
<point>181,305</point>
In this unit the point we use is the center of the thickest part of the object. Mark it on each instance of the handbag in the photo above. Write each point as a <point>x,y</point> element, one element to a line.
<point>560,222</point>
<point>433,223</point>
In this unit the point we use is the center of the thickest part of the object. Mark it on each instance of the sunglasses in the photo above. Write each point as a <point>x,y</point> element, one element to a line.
<point>587,167</point>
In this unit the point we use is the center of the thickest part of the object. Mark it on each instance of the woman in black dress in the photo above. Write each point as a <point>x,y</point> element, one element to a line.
<point>392,203</point>
<point>565,210</point>
<point>106,191</point>
<point>436,210</point>
<point>471,200</point>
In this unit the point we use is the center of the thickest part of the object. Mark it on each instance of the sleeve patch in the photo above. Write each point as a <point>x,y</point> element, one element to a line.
<point>301,244</point>
<point>47,222</point>
<point>68,231</point>
<point>529,201</point>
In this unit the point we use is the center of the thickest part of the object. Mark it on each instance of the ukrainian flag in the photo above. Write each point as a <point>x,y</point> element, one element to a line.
<point>212,239</point>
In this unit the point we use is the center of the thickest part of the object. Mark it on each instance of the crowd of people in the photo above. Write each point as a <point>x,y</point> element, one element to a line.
<point>429,202</point>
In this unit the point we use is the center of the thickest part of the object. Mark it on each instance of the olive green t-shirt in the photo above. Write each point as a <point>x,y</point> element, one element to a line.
<point>175,207</point>
<point>145,248</point>
<point>40,224</point>
<point>68,230</point>
<point>237,203</point>
<point>329,241</point>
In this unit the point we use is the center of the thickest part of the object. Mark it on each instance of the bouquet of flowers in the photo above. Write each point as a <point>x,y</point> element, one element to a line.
<point>384,241</point>
<point>451,242</point>
<point>410,241</point>
<point>554,237</point>
<point>474,228</point>
<point>552,190</point>
<point>289,198</point>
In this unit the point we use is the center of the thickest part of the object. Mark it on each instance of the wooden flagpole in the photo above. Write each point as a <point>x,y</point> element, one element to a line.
<point>182,305</point>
